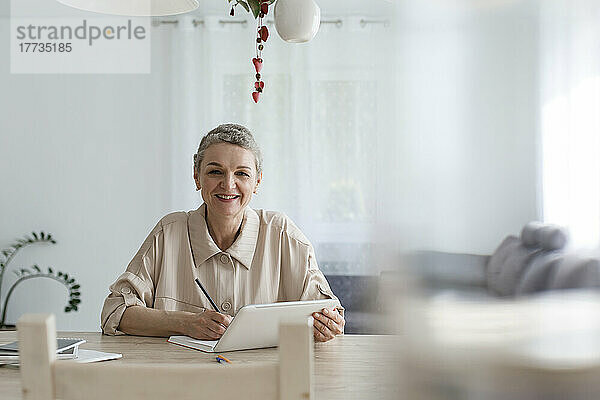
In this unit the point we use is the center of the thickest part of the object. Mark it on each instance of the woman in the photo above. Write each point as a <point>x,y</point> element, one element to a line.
<point>241,256</point>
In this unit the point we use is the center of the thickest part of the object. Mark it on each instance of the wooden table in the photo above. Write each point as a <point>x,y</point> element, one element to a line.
<point>348,367</point>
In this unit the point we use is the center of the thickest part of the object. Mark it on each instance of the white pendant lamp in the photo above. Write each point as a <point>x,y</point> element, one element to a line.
<point>134,8</point>
<point>297,21</point>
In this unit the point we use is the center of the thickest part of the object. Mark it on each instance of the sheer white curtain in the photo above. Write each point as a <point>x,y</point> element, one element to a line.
<point>570,99</point>
<point>323,122</point>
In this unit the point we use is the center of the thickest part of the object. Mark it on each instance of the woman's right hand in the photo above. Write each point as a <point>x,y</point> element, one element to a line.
<point>209,325</point>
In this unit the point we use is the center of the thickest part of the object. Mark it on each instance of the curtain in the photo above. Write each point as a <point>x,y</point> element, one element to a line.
<point>323,123</point>
<point>570,117</point>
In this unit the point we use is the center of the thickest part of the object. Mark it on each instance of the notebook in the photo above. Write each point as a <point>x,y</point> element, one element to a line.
<point>196,344</point>
<point>66,348</point>
<point>89,356</point>
<point>256,326</point>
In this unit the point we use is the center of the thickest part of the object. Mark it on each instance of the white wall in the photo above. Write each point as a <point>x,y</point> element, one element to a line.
<point>84,157</point>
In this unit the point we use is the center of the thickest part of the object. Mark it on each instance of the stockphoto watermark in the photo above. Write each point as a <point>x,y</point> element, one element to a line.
<point>80,45</point>
<point>88,32</point>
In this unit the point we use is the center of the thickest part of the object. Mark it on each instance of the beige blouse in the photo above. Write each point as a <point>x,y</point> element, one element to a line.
<point>270,261</point>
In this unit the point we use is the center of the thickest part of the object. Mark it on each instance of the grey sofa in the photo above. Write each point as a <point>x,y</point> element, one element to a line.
<point>537,260</point>
<point>359,296</point>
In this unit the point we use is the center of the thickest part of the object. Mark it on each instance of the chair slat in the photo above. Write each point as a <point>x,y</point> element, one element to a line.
<point>37,353</point>
<point>166,382</point>
<point>296,360</point>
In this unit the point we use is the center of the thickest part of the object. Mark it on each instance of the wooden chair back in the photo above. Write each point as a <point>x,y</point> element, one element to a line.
<point>45,379</point>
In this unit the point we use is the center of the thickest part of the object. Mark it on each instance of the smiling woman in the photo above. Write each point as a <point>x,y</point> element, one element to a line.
<point>241,255</point>
<point>227,172</point>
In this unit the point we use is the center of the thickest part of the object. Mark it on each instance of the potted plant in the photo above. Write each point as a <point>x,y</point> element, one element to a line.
<point>33,272</point>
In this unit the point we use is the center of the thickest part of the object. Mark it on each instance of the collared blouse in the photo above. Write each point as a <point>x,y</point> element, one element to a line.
<point>270,261</point>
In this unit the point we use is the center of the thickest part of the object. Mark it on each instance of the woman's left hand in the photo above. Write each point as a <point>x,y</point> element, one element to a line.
<point>328,323</point>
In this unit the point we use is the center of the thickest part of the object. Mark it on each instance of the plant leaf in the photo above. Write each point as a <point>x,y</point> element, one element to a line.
<point>50,271</point>
<point>244,4</point>
<point>37,268</point>
<point>75,287</point>
<point>255,6</point>
<point>35,235</point>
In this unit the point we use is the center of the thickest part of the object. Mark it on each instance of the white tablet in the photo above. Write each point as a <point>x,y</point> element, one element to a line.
<point>256,326</point>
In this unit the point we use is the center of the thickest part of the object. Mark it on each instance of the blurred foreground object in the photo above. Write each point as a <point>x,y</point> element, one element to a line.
<point>521,323</point>
<point>544,347</point>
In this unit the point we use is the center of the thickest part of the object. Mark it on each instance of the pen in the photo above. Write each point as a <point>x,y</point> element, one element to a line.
<point>221,359</point>
<point>207,296</point>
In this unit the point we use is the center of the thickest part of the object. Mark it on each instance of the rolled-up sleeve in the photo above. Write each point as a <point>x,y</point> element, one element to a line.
<point>135,287</point>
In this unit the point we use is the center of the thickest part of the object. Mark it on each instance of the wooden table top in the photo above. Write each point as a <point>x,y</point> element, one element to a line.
<point>348,367</point>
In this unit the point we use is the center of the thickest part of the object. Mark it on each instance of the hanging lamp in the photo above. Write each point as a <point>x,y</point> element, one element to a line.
<point>134,8</point>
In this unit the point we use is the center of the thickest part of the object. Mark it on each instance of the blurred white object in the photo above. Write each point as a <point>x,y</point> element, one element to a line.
<point>297,21</point>
<point>547,346</point>
<point>138,8</point>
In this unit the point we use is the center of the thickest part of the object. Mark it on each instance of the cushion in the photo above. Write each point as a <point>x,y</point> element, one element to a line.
<point>540,273</point>
<point>552,237</point>
<point>529,234</point>
<point>507,265</point>
<point>545,236</point>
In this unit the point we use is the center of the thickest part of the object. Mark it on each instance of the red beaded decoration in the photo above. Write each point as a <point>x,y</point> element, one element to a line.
<point>260,8</point>
<point>262,34</point>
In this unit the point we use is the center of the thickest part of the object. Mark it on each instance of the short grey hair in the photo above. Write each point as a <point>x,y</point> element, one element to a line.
<point>229,133</point>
